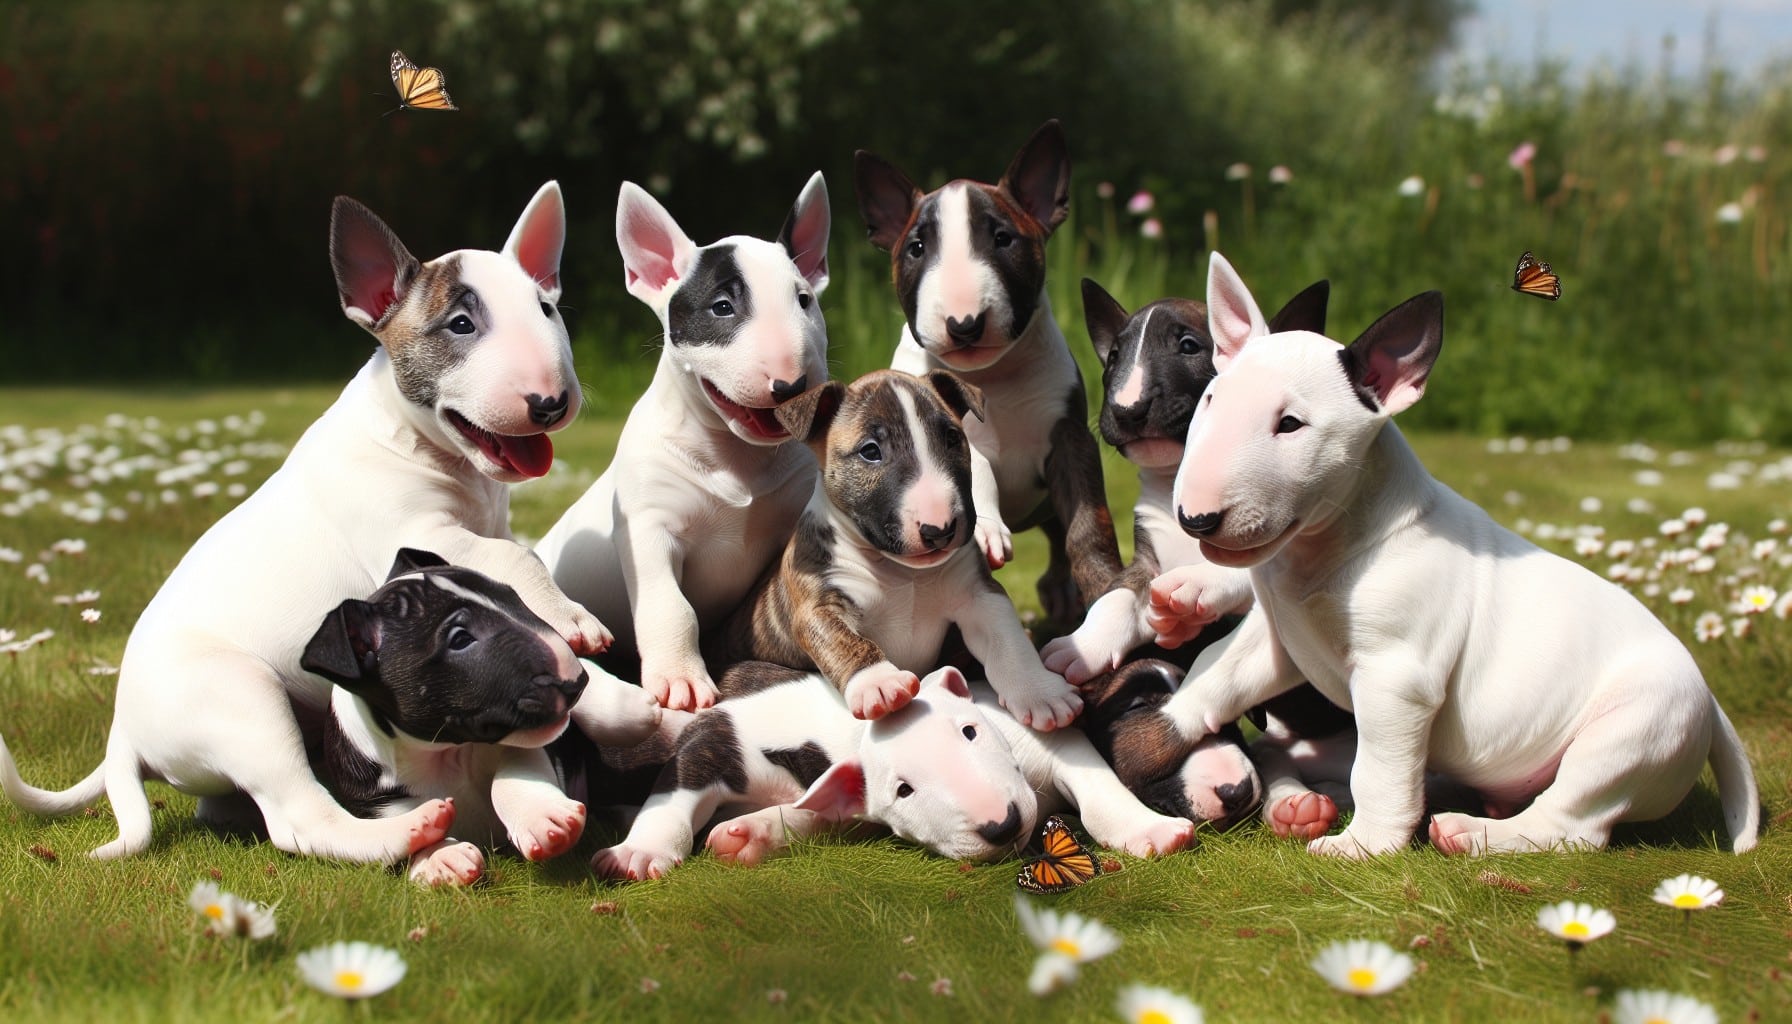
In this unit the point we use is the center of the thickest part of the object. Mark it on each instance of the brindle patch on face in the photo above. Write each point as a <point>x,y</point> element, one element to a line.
<point>1166,341</point>
<point>416,335</point>
<point>714,304</point>
<point>872,458</point>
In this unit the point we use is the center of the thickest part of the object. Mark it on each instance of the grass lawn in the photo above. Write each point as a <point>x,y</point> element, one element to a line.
<point>839,931</point>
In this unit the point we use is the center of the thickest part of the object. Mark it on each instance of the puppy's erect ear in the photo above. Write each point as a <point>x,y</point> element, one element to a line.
<point>656,252</point>
<point>345,648</point>
<point>805,233</point>
<point>1304,312</point>
<point>807,415</point>
<point>886,198</point>
<point>838,795</point>
<point>412,560</point>
<point>539,237</point>
<point>1232,314</point>
<point>1391,361</point>
<point>373,268</point>
<point>1104,317</point>
<point>949,679</point>
<point>960,395</point>
<point>1039,176</point>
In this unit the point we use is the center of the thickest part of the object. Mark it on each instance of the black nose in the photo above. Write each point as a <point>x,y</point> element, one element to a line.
<point>1130,417</point>
<point>937,537</point>
<point>1004,832</point>
<point>546,412</point>
<point>968,330</point>
<point>1237,797</point>
<point>784,390</point>
<point>1201,525</point>
<point>573,687</point>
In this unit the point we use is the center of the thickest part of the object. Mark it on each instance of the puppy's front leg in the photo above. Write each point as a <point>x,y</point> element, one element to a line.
<point>992,534</point>
<point>509,562</point>
<point>1032,693</point>
<point>1234,675</point>
<point>541,821</point>
<point>1395,702</point>
<point>1079,498</point>
<point>827,630</point>
<point>751,838</point>
<point>1112,813</point>
<point>666,626</point>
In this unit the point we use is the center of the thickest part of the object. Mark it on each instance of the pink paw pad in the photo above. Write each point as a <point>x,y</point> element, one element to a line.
<point>430,824</point>
<point>559,833</point>
<point>741,842</point>
<point>1305,816</point>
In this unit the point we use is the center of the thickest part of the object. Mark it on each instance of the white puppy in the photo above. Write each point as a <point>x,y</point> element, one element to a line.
<point>1461,646</point>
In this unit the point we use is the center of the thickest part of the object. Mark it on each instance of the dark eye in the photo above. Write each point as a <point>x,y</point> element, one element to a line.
<point>914,250</point>
<point>1113,358</point>
<point>722,307</point>
<point>803,299</point>
<point>1288,425</point>
<point>547,310</point>
<point>870,452</point>
<point>904,791</point>
<point>954,440</point>
<point>462,324</point>
<point>459,639</point>
<point>1003,238</point>
<point>970,732</point>
<point>1188,344</point>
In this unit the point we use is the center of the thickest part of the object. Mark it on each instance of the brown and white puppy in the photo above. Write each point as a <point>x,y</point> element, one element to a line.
<point>968,261</point>
<point>879,567</point>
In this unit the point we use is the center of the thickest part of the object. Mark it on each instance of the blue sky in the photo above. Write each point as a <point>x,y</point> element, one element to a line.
<point>1748,32</point>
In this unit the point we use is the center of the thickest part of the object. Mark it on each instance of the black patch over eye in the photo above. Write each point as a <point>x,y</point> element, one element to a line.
<point>1003,238</point>
<point>1188,345</point>
<point>871,452</point>
<point>460,638</point>
<point>803,300</point>
<point>970,732</point>
<point>547,310</point>
<point>461,324</point>
<point>914,250</point>
<point>904,791</point>
<point>1288,425</point>
<point>722,307</point>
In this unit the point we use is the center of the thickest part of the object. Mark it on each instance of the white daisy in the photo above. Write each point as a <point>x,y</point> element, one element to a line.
<point>1708,626</point>
<point>218,909</point>
<point>1739,628</point>
<point>1363,967</point>
<point>1680,595</point>
<point>1051,972</point>
<point>1783,607</point>
<point>1651,1006</point>
<point>90,615</point>
<point>1673,527</point>
<point>1576,923</point>
<point>1587,547</point>
<point>352,970</point>
<point>1695,516</point>
<point>1077,937</point>
<point>1756,599</point>
<point>1688,892</point>
<point>1702,564</point>
<point>1621,549</point>
<point>1147,1004</point>
<point>1776,526</point>
<point>1763,549</point>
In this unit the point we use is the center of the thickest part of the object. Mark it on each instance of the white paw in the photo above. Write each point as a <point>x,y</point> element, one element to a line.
<point>682,688</point>
<point>746,840</point>
<point>1459,833</point>
<point>1303,815</point>
<point>1045,703</point>
<point>874,692</point>
<point>1355,844</point>
<point>624,862</point>
<point>581,630</point>
<point>548,832</point>
<point>1154,837</point>
<point>449,862</point>
<point>614,713</point>
<point>1100,644</point>
<point>996,540</point>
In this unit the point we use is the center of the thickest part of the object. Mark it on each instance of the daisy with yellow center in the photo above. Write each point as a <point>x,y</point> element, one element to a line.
<point>1689,893</point>
<point>351,970</point>
<point>217,908</point>
<point>1576,923</point>
<point>1756,599</point>
<point>1656,1007</point>
<point>1145,1004</point>
<point>1065,940</point>
<point>1363,967</point>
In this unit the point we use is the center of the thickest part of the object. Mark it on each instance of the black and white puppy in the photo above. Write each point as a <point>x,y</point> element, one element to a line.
<point>449,687</point>
<point>879,567</point>
<point>968,260</point>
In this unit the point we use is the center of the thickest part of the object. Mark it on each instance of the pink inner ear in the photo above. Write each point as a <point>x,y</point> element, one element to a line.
<point>838,794</point>
<point>539,251</point>
<point>370,286</point>
<point>650,251</point>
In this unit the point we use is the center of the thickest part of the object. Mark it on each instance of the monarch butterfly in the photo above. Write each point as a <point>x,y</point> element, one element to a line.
<point>1065,864</point>
<point>1534,277</point>
<point>420,88</point>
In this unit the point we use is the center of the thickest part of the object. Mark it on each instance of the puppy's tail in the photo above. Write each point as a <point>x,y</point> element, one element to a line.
<point>1735,783</point>
<point>52,803</point>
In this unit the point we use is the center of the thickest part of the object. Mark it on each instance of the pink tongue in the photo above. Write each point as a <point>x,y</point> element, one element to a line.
<point>531,456</point>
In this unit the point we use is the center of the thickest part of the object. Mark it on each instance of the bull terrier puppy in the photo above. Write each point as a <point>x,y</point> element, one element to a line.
<point>472,371</point>
<point>448,686</point>
<point>969,265</point>
<point>703,490</point>
<point>1155,364</point>
<point>1461,647</point>
<point>948,771</point>
<point>879,566</point>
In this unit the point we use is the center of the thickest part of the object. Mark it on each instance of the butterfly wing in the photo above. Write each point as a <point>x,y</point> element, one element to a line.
<point>1064,864</point>
<point>1534,277</point>
<point>422,88</point>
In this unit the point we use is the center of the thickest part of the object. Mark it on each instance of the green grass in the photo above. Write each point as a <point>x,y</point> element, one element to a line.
<point>850,931</point>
